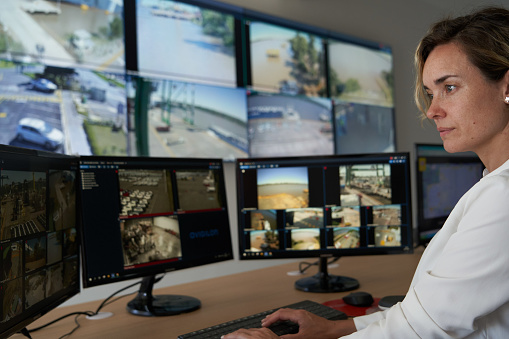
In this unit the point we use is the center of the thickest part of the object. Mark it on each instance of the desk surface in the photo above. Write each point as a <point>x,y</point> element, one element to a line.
<point>230,297</point>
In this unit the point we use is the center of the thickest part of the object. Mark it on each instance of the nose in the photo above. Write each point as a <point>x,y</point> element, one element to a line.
<point>435,110</point>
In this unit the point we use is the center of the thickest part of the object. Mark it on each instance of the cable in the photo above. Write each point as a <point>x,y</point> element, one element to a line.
<point>58,319</point>
<point>74,329</point>
<point>308,265</point>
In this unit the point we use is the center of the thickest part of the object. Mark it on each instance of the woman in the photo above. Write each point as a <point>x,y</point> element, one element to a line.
<point>461,286</point>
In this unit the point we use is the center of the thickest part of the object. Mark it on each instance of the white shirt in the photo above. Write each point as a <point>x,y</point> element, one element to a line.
<point>460,288</point>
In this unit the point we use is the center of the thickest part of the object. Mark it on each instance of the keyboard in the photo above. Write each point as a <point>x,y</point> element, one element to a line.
<point>254,321</point>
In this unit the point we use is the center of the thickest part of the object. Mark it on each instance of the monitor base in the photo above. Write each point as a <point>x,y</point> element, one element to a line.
<point>322,282</point>
<point>163,305</point>
<point>145,304</point>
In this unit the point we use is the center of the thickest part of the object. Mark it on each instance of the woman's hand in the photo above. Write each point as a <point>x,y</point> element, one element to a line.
<point>310,326</point>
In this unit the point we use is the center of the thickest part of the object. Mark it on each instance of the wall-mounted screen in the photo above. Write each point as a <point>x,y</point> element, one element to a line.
<point>195,120</point>
<point>68,33</point>
<point>185,42</point>
<point>282,125</point>
<point>361,128</point>
<point>64,110</point>
<point>285,60</point>
<point>361,74</point>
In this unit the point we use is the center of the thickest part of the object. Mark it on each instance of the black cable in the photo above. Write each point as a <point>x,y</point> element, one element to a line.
<point>105,302</point>
<point>58,319</point>
<point>74,329</point>
<point>25,332</point>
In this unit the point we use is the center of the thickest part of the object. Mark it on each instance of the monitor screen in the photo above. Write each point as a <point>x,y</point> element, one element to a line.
<point>145,216</point>
<point>38,235</point>
<point>324,206</point>
<point>282,125</point>
<point>66,33</point>
<point>191,120</point>
<point>442,178</point>
<point>200,48</point>
<point>285,60</point>
<point>64,110</point>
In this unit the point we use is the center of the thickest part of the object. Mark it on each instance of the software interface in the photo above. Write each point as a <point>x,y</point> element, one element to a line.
<point>143,216</point>
<point>38,236</point>
<point>342,205</point>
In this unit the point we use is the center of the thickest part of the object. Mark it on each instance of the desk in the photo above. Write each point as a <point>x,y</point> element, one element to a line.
<point>233,296</point>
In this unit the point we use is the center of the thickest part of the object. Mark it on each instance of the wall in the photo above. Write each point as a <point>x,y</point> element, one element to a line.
<point>397,23</point>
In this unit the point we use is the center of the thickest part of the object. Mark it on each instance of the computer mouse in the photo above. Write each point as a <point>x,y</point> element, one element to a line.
<point>361,299</point>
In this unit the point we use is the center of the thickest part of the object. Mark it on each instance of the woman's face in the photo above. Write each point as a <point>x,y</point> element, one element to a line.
<point>469,111</point>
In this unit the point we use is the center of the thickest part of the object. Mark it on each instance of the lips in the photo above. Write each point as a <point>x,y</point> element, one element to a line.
<point>444,131</point>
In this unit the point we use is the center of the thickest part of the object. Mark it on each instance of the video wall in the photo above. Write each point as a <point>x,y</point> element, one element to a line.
<point>188,78</point>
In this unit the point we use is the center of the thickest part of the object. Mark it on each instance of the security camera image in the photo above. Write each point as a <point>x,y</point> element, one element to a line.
<point>365,185</point>
<point>62,200</point>
<point>389,215</point>
<point>282,125</point>
<point>23,199</point>
<point>144,192</point>
<point>71,267</point>
<point>54,247</point>
<point>282,188</point>
<point>147,240</point>
<point>35,288</point>
<point>204,40</point>
<point>194,120</point>
<point>11,261</point>
<point>11,293</point>
<point>35,253</point>
<point>304,218</point>
<point>286,61</point>
<point>198,189</point>
<point>70,242</point>
<point>55,281</point>
<point>305,239</point>
<point>345,216</point>
<point>363,128</point>
<point>361,74</point>
<point>346,237</point>
<point>387,236</point>
<point>263,220</point>
<point>264,240</point>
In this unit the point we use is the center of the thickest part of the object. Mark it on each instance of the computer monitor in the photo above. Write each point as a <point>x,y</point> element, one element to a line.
<point>38,235</point>
<point>203,35</point>
<point>143,216</point>
<point>324,206</point>
<point>66,33</point>
<point>63,109</point>
<point>441,179</point>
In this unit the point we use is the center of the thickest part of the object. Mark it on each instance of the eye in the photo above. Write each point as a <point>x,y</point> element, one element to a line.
<point>449,88</point>
<point>430,95</point>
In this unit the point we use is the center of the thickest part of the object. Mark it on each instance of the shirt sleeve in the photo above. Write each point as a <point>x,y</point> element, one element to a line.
<point>469,279</point>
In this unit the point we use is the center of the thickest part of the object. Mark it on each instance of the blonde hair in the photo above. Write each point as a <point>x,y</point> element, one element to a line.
<point>483,35</point>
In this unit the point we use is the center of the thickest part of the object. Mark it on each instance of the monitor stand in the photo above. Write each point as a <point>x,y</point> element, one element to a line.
<point>145,304</point>
<point>323,282</point>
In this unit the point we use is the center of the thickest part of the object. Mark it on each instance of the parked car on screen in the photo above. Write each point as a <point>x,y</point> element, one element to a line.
<point>43,85</point>
<point>39,132</point>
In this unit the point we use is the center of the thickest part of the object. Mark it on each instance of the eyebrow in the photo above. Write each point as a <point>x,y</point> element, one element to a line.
<point>442,79</point>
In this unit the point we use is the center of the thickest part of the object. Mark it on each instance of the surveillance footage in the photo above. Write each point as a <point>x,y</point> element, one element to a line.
<point>204,39</point>
<point>64,110</point>
<point>282,188</point>
<point>63,33</point>
<point>365,185</point>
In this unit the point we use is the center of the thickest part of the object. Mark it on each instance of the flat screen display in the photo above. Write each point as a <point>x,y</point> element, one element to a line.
<point>193,120</point>
<point>39,239</point>
<point>63,110</point>
<point>442,179</point>
<point>282,125</point>
<point>285,60</point>
<point>323,206</point>
<point>200,47</point>
<point>65,33</point>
